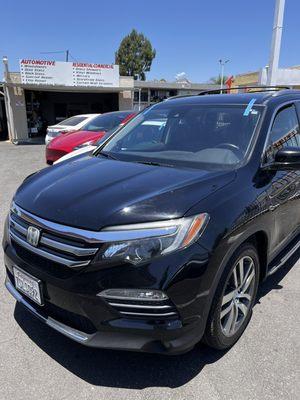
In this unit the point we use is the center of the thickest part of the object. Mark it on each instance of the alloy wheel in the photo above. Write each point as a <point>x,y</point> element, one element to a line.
<point>238,294</point>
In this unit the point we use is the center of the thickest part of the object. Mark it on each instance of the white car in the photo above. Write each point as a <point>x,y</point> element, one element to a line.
<point>74,123</point>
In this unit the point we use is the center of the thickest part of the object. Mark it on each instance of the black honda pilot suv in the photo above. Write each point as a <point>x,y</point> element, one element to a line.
<point>162,235</point>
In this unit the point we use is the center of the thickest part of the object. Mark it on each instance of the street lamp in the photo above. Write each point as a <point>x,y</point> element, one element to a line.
<point>222,65</point>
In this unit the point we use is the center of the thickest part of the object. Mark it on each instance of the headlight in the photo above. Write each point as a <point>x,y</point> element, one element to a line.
<point>85,144</point>
<point>142,242</point>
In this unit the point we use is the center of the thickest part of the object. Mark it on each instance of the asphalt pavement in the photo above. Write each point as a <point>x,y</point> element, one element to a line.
<point>38,363</point>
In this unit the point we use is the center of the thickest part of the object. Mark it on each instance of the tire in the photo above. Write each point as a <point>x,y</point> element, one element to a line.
<point>233,301</point>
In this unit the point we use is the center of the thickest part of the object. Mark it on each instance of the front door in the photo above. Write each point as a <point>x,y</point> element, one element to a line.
<point>285,189</point>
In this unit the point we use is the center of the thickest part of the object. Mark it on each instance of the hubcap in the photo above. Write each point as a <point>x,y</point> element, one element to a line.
<point>237,296</point>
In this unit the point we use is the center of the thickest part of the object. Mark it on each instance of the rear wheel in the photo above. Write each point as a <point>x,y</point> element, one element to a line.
<point>234,299</point>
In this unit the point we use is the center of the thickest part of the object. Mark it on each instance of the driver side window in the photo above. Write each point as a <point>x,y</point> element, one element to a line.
<point>284,132</point>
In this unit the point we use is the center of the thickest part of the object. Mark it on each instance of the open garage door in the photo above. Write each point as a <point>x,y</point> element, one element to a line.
<point>47,108</point>
<point>3,119</point>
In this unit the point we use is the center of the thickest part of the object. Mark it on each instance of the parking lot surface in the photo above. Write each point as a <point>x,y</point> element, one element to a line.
<point>38,363</point>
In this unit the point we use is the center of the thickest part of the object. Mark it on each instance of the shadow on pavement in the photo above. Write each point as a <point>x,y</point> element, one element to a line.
<point>113,368</point>
<point>273,281</point>
<point>127,369</point>
<point>32,141</point>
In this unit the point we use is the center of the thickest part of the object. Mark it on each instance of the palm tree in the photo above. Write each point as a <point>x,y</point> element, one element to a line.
<point>216,80</point>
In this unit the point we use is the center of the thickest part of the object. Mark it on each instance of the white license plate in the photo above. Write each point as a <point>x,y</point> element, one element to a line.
<point>28,285</point>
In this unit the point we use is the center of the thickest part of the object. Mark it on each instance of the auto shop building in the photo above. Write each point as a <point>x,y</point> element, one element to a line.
<point>45,92</point>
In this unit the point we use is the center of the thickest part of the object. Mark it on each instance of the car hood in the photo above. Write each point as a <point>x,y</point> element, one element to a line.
<point>70,140</point>
<point>93,192</point>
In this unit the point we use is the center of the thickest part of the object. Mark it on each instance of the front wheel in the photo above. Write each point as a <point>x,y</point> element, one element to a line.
<point>234,299</point>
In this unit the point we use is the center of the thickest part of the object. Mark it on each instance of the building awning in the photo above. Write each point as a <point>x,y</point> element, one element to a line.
<point>174,85</point>
<point>75,89</point>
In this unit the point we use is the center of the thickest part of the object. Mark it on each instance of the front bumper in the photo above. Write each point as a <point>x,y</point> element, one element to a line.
<point>122,340</point>
<point>72,333</point>
<point>103,326</point>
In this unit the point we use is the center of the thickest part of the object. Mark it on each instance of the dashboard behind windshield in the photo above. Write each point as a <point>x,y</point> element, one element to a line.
<point>189,135</point>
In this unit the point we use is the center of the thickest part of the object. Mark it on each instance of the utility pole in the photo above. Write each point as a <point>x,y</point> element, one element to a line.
<point>66,52</point>
<point>222,64</point>
<point>140,92</point>
<point>276,43</point>
<point>7,101</point>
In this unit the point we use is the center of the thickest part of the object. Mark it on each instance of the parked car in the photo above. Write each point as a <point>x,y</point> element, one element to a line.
<point>161,237</point>
<point>71,124</point>
<point>94,130</point>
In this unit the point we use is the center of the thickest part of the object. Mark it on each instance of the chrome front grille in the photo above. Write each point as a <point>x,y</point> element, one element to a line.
<point>143,308</point>
<point>60,248</point>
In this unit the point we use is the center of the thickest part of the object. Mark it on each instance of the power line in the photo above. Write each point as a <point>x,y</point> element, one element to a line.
<point>66,52</point>
<point>52,52</point>
<point>74,59</point>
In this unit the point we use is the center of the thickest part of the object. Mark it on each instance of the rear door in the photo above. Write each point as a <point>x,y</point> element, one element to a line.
<point>285,188</point>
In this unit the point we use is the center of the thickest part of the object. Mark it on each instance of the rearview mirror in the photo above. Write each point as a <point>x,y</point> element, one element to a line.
<point>287,158</point>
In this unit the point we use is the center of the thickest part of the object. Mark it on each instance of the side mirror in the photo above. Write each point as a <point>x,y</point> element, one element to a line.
<point>287,158</point>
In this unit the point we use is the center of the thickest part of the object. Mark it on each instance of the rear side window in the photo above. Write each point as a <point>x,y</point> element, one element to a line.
<point>284,132</point>
<point>105,122</point>
<point>72,121</point>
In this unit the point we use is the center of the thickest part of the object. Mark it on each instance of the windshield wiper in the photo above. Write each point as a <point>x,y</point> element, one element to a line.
<point>157,164</point>
<point>107,155</point>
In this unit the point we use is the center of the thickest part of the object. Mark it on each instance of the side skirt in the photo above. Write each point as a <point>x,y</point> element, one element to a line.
<point>283,257</point>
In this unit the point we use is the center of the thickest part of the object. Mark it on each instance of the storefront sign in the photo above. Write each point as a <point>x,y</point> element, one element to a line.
<point>43,72</point>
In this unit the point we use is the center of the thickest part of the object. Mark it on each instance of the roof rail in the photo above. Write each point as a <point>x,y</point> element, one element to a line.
<point>283,92</point>
<point>257,89</point>
<point>178,96</point>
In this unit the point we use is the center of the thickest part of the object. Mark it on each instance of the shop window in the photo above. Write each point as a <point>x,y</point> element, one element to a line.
<point>144,96</point>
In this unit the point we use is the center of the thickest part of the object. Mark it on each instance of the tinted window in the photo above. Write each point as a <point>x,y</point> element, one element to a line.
<point>187,135</point>
<point>105,122</point>
<point>72,121</point>
<point>284,132</point>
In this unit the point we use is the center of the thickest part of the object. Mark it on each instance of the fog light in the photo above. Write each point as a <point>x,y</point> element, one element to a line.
<point>133,294</point>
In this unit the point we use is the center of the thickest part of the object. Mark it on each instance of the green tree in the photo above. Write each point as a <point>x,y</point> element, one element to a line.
<point>217,79</point>
<point>135,55</point>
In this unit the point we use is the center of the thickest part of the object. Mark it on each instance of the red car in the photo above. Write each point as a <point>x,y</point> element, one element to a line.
<point>90,133</point>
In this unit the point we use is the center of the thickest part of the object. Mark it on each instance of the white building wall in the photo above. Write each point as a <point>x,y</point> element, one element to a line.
<point>16,113</point>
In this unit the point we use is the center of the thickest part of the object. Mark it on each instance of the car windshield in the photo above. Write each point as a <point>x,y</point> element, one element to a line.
<point>197,136</point>
<point>105,122</point>
<point>72,121</point>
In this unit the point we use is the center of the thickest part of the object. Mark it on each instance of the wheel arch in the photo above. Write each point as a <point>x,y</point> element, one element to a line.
<point>261,242</point>
<point>260,239</point>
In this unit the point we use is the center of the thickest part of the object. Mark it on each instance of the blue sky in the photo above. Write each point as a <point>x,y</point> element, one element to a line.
<point>189,36</point>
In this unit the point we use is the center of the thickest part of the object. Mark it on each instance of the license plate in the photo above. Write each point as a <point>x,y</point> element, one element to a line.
<point>29,285</point>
